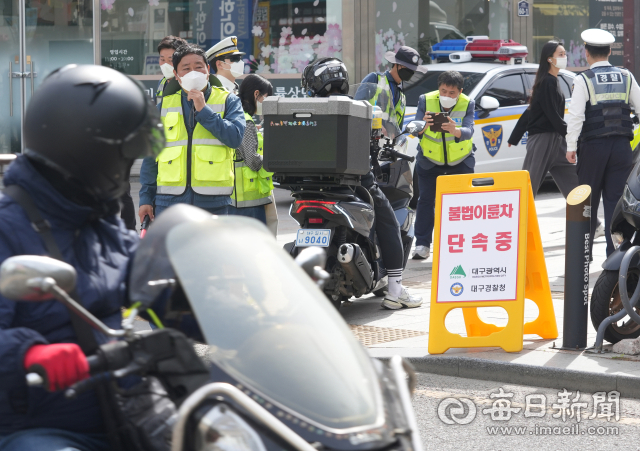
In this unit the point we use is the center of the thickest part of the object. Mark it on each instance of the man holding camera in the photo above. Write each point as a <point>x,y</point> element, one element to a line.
<point>446,148</point>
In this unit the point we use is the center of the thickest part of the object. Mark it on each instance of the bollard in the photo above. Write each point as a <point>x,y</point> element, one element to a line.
<point>576,268</point>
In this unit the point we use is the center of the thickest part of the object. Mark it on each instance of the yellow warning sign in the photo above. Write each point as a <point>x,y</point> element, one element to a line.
<point>488,253</point>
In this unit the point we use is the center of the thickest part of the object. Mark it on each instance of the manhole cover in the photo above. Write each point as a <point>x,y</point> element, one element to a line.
<point>372,335</point>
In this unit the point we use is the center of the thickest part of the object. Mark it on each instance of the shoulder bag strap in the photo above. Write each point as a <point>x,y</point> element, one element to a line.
<point>86,339</point>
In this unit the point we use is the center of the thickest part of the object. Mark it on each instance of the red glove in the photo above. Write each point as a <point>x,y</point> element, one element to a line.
<point>60,365</point>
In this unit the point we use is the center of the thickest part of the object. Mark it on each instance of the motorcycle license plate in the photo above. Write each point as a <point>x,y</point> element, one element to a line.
<point>308,237</point>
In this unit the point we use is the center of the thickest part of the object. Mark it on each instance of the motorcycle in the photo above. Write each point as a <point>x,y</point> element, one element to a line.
<point>286,373</point>
<point>323,203</point>
<point>605,298</point>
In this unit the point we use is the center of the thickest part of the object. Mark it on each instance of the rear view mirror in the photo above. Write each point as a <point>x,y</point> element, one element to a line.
<point>489,103</point>
<point>18,274</point>
<point>415,127</point>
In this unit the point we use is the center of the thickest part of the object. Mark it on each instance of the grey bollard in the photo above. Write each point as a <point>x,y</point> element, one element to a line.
<point>576,268</point>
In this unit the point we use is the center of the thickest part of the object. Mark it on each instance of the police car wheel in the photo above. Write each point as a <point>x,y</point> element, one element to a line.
<point>605,301</point>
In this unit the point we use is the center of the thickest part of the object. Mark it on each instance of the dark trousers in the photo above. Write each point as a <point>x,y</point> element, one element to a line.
<point>604,164</point>
<point>388,233</point>
<point>547,152</point>
<point>425,213</point>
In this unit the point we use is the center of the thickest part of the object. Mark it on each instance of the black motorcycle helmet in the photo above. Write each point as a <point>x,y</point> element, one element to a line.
<point>86,125</point>
<point>323,75</point>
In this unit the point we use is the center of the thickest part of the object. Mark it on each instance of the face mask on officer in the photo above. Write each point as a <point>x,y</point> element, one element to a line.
<point>259,99</point>
<point>236,68</point>
<point>167,70</point>
<point>194,80</point>
<point>405,74</point>
<point>449,95</point>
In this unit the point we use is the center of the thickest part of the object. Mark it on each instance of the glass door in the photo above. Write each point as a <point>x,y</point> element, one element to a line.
<point>37,37</point>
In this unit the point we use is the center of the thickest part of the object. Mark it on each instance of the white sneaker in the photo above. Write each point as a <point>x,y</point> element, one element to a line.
<point>404,300</point>
<point>421,253</point>
<point>599,231</point>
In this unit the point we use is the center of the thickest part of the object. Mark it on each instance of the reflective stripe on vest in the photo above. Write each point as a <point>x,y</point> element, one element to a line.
<point>160,90</point>
<point>431,142</point>
<point>252,188</point>
<point>383,85</point>
<point>211,161</point>
<point>607,113</point>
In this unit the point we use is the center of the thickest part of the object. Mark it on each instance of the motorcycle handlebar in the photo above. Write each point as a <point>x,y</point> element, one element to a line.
<point>95,362</point>
<point>401,156</point>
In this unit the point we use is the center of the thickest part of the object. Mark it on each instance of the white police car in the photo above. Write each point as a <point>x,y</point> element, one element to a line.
<point>501,92</point>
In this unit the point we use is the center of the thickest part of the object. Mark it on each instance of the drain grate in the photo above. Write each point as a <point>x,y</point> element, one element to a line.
<point>372,335</point>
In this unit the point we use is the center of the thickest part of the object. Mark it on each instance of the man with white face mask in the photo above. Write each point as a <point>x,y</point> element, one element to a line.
<point>166,49</point>
<point>441,153</point>
<point>203,124</point>
<point>226,62</point>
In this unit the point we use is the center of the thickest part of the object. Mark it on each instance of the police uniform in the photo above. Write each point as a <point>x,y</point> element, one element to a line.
<point>599,126</point>
<point>226,47</point>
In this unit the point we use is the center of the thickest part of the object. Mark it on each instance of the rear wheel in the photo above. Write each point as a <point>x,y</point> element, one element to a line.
<point>605,301</point>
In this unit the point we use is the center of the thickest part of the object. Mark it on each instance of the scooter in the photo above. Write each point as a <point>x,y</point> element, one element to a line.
<point>286,372</point>
<point>605,298</point>
<point>343,214</point>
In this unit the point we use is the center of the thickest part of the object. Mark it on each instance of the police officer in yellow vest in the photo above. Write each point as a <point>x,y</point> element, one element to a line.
<point>166,49</point>
<point>253,185</point>
<point>203,124</point>
<point>441,153</point>
<point>406,61</point>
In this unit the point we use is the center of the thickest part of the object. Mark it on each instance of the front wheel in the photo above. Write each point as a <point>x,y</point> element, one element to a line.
<point>605,301</point>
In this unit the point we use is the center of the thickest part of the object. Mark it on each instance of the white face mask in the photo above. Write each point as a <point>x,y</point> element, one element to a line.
<point>194,80</point>
<point>561,63</point>
<point>236,69</point>
<point>448,102</point>
<point>258,108</point>
<point>167,70</point>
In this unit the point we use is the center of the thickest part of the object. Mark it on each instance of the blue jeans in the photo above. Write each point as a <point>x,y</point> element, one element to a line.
<point>258,212</point>
<point>425,213</point>
<point>53,440</point>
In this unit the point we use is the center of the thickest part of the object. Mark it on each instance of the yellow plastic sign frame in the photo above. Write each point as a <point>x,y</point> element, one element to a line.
<point>532,279</point>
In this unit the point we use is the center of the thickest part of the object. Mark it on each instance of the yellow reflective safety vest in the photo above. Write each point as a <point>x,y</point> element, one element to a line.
<point>201,160</point>
<point>383,85</point>
<point>160,90</point>
<point>252,188</point>
<point>432,142</point>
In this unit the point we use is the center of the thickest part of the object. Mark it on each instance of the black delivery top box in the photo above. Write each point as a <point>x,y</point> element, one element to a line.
<point>307,136</point>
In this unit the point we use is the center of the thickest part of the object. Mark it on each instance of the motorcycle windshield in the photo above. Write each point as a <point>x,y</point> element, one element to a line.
<point>269,326</point>
<point>382,97</point>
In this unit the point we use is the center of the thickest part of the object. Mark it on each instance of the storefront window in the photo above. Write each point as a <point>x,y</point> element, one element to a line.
<point>278,36</point>
<point>565,20</point>
<point>422,23</point>
<point>289,34</point>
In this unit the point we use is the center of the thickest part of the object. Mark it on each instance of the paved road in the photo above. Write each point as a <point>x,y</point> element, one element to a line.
<point>518,432</point>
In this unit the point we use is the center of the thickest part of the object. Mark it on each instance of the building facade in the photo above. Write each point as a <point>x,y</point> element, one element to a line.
<point>280,37</point>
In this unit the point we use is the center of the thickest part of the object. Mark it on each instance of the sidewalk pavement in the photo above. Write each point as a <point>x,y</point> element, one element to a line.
<point>540,363</point>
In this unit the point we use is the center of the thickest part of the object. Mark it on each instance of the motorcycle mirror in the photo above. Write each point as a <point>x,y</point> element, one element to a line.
<point>415,127</point>
<point>311,257</point>
<point>17,272</point>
